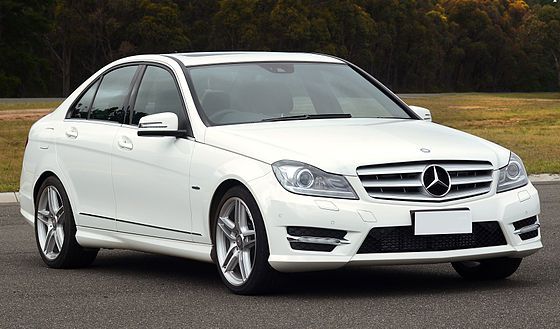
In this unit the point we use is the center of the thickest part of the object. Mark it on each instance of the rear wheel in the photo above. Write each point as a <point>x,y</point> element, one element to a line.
<point>55,230</point>
<point>487,269</point>
<point>241,244</point>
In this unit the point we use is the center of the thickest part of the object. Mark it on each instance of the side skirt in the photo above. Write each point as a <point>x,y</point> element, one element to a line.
<point>89,237</point>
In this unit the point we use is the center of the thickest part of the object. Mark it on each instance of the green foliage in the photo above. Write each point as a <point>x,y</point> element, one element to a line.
<point>22,63</point>
<point>415,45</point>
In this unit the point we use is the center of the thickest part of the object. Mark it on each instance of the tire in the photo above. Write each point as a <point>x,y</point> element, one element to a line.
<point>58,249</point>
<point>487,269</point>
<point>235,235</point>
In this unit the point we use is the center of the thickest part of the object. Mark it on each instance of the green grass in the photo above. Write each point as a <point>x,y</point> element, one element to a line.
<point>526,123</point>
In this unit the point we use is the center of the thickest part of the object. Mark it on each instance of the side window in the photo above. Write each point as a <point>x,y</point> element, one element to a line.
<point>109,101</point>
<point>157,93</point>
<point>80,110</point>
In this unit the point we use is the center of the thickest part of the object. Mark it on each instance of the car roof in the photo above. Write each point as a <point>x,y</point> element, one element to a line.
<point>206,58</point>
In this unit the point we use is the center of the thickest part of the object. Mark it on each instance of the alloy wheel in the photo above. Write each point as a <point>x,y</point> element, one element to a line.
<point>50,222</point>
<point>235,241</point>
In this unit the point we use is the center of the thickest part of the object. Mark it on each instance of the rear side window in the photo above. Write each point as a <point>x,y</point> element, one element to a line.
<point>109,102</point>
<point>157,93</point>
<point>80,110</point>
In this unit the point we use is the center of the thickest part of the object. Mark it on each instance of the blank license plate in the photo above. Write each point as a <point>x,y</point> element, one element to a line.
<point>442,222</point>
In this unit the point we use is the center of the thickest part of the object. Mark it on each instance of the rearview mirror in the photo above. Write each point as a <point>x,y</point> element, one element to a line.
<point>160,124</point>
<point>422,112</point>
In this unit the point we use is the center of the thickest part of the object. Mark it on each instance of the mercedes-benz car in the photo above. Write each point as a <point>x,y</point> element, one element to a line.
<point>269,162</point>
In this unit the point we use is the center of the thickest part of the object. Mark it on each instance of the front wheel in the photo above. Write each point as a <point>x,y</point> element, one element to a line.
<point>55,230</point>
<point>241,244</point>
<point>487,269</point>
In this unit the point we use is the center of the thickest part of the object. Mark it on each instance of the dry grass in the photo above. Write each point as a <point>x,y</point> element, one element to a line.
<point>4,106</point>
<point>528,124</point>
<point>15,121</point>
<point>13,134</point>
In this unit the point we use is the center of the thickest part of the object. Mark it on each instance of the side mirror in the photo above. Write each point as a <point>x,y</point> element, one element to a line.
<point>422,112</point>
<point>160,124</point>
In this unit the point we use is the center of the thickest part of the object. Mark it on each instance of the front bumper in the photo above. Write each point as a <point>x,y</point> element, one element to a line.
<point>282,209</point>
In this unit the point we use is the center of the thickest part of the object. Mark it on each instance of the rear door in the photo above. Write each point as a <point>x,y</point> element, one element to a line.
<point>151,174</point>
<point>84,146</point>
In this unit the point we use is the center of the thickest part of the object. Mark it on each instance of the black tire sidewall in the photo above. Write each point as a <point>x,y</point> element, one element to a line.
<point>488,269</point>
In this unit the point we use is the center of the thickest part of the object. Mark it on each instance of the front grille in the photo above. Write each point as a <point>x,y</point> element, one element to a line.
<point>402,181</point>
<point>524,223</point>
<point>402,239</point>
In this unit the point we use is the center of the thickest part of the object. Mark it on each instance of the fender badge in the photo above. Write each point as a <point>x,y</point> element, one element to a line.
<point>425,150</point>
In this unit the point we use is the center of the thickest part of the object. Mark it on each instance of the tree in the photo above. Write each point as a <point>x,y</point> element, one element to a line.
<point>540,39</point>
<point>237,25</point>
<point>415,45</point>
<point>67,32</point>
<point>85,35</point>
<point>550,34</point>
<point>22,63</point>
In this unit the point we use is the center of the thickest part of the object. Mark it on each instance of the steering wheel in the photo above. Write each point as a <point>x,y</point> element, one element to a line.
<point>218,115</point>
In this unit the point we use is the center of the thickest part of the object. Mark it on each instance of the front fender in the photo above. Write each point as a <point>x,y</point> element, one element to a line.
<point>210,167</point>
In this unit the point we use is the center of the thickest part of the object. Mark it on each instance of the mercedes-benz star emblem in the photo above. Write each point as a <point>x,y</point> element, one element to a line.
<point>436,181</point>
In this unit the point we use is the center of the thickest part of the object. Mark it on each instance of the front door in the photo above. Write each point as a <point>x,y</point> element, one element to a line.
<point>151,174</point>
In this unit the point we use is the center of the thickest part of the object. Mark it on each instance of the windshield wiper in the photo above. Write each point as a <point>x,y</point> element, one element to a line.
<point>391,118</point>
<point>310,116</point>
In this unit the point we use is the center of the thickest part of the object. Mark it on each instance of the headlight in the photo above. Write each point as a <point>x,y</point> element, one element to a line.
<point>301,178</point>
<point>513,175</point>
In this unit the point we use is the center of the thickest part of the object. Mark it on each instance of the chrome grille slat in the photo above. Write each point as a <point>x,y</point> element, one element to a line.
<point>402,181</point>
<point>404,169</point>
<point>453,195</point>
<point>461,167</point>
<point>392,183</point>
<point>471,180</point>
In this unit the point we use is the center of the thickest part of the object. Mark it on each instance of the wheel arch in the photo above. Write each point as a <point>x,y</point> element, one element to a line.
<point>39,181</point>
<point>49,172</point>
<point>216,197</point>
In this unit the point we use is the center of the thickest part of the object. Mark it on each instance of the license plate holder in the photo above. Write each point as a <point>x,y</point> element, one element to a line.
<point>436,222</point>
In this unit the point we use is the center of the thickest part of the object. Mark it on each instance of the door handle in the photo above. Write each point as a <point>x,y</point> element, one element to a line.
<point>72,132</point>
<point>125,143</point>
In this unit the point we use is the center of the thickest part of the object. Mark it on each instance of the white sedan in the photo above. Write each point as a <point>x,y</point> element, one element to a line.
<point>266,163</point>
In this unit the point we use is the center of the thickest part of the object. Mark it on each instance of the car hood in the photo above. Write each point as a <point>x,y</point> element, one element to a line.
<point>342,145</point>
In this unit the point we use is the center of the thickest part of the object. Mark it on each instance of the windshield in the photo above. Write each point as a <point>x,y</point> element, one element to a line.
<point>255,92</point>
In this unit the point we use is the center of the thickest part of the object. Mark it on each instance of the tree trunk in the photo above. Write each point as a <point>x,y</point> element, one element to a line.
<point>64,61</point>
<point>65,67</point>
<point>557,62</point>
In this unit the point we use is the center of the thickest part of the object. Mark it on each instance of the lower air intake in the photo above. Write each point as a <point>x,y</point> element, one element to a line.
<point>314,232</point>
<point>524,223</point>
<point>402,239</point>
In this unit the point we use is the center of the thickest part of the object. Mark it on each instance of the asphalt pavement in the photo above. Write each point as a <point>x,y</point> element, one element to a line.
<point>133,289</point>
